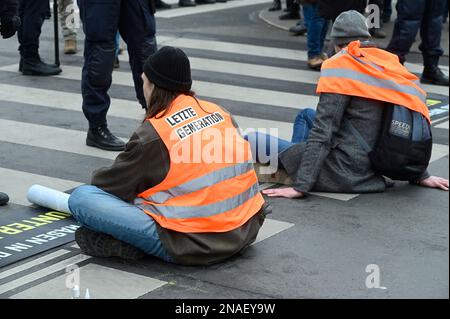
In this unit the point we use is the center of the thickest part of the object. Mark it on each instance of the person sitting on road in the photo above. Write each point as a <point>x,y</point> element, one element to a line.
<point>356,88</point>
<point>158,198</point>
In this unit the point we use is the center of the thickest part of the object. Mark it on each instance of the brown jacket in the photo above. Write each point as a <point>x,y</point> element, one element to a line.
<point>145,164</point>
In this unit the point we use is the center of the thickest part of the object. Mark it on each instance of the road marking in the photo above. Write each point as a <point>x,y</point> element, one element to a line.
<point>418,68</point>
<point>443,125</point>
<point>239,68</point>
<point>212,90</point>
<point>271,228</point>
<point>50,137</point>
<point>439,151</point>
<point>178,12</point>
<point>102,282</point>
<point>17,184</point>
<point>42,273</point>
<point>119,108</point>
<point>33,263</point>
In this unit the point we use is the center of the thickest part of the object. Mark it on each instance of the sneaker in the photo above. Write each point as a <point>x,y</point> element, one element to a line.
<point>102,245</point>
<point>299,28</point>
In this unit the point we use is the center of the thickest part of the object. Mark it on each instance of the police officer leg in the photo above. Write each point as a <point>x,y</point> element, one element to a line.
<point>100,22</point>
<point>431,32</point>
<point>137,27</point>
<point>407,26</point>
<point>32,14</point>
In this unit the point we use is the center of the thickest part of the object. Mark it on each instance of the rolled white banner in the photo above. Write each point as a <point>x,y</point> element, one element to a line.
<point>50,198</point>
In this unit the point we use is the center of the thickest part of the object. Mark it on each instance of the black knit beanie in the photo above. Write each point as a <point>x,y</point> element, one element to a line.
<point>169,69</point>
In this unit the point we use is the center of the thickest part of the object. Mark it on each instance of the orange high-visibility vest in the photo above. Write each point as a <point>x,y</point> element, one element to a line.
<point>211,186</point>
<point>374,74</point>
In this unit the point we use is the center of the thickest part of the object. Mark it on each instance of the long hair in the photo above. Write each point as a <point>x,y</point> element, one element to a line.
<point>161,101</point>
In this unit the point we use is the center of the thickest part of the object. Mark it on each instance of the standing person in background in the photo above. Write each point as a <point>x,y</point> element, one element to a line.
<point>66,11</point>
<point>331,9</point>
<point>426,16</point>
<point>276,5</point>
<point>300,28</point>
<point>387,11</point>
<point>136,23</point>
<point>32,14</point>
<point>293,11</point>
<point>446,11</point>
<point>9,24</point>
<point>317,31</point>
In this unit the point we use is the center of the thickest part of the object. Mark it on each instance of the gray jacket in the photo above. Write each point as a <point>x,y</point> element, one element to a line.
<point>332,160</point>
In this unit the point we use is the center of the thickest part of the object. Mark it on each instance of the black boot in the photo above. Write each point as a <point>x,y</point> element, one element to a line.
<point>162,5</point>
<point>186,3</point>
<point>276,6</point>
<point>38,68</point>
<point>434,75</point>
<point>4,199</point>
<point>205,1</point>
<point>102,138</point>
<point>102,245</point>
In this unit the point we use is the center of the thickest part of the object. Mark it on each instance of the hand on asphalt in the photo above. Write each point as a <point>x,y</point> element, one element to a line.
<point>283,192</point>
<point>435,182</point>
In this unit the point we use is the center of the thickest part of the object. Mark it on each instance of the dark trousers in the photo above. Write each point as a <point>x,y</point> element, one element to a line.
<point>101,20</point>
<point>292,6</point>
<point>423,15</point>
<point>32,14</point>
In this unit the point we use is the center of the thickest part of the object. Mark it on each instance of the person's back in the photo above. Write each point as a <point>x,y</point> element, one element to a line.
<point>184,189</point>
<point>356,86</point>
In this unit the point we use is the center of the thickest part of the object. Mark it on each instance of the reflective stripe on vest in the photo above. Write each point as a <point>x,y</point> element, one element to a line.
<point>344,74</point>
<point>372,73</point>
<point>200,197</point>
<point>201,182</point>
<point>182,212</point>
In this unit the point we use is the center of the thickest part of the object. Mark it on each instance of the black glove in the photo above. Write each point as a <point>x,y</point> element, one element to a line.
<point>9,26</point>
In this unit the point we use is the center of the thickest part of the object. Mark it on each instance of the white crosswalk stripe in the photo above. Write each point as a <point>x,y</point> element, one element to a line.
<point>211,90</point>
<point>178,12</point>
<point>17,183</point>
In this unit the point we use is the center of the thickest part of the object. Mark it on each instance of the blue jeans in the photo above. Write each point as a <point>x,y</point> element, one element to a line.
<point>108,214</point>
<point>302,126</point>
<point>317,30</point>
